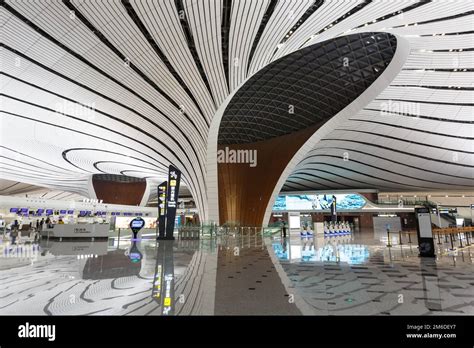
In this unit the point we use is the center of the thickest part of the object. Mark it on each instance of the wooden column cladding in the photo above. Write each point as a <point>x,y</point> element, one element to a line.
<point>244,191</point>
<point>371,196</point>
<point>119,191</point>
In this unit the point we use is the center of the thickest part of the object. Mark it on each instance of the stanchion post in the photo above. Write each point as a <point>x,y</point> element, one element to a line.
<point>118,239</point>
<point>389,244</point>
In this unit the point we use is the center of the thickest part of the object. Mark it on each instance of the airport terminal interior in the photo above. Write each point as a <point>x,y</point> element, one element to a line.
<point>237,157</point>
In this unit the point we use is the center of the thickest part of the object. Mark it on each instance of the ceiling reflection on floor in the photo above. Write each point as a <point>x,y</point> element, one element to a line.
<point>231,275</point>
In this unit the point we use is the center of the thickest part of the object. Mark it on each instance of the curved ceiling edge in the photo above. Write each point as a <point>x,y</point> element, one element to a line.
<point>212,213</point>
<point>376,88</point>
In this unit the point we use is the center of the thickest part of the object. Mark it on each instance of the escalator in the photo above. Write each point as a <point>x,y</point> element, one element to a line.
<point>451,218</point>
<point>447,216</point>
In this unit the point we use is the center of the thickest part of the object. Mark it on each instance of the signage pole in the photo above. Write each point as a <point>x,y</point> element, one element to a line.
<point>162,188</point>
<point>424,232</point>
<point>174,179</point>
<point>333,209</point>
<point>472,208</point>
<point>439,215</point>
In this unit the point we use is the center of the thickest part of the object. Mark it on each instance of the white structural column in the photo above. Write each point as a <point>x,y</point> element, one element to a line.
<point>212,213</point>
<point>382,82</point>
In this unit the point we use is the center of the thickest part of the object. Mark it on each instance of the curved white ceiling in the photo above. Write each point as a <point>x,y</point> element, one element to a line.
<point>128,87</point>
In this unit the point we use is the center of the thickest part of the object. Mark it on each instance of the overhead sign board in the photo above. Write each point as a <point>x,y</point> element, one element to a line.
<point>162,188</point>
<point>172,193</point>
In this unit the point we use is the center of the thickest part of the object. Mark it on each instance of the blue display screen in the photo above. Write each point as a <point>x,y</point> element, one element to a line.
<point>49,211</point>
<point>70,211</point>
<point>24,210</point>
<point>137,223</point>
<point>13,210</point>
<point>135,257</point>
<point>62,212</point>
<point>318,202</point>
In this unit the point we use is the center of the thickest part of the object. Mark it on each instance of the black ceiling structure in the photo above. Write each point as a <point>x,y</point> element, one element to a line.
<point>116,178</point>
<point>306,87</point>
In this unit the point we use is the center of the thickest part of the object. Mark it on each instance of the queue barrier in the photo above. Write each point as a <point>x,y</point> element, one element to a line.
<point>189,232</point>
<point>240,230</point>
<point>195,232</point>
<point>400,239</point>
<point>455,234</point>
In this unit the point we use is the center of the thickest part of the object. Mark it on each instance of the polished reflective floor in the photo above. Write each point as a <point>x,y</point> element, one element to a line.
<point>230,275</point>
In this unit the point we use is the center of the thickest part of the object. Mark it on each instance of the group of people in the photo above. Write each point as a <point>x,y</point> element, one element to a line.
<point>15,228</point>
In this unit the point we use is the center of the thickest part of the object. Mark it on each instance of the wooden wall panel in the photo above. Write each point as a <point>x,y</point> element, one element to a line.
<point>114,192</point>
<point>245,191</point>
<point>371,196</point>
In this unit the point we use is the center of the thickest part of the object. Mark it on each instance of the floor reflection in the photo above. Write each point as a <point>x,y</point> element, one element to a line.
<point>337,249</point>
<point>163,283</point>
<point>229,275</point>
<point>379,280</point>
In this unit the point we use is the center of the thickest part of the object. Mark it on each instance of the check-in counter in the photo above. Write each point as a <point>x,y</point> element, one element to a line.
<point>77,231</point>
<point>75,247</point>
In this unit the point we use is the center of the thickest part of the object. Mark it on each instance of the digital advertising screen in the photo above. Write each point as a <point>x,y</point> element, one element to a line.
<point>295,221</point>
<point>318,202</point>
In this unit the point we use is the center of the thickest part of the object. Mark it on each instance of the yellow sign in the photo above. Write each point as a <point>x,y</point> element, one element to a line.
<point>172,182</point>
<point>167,301</point>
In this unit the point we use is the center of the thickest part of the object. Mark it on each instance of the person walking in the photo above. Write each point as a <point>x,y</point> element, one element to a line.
<point>283,229</point>
<point>14,232</point>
